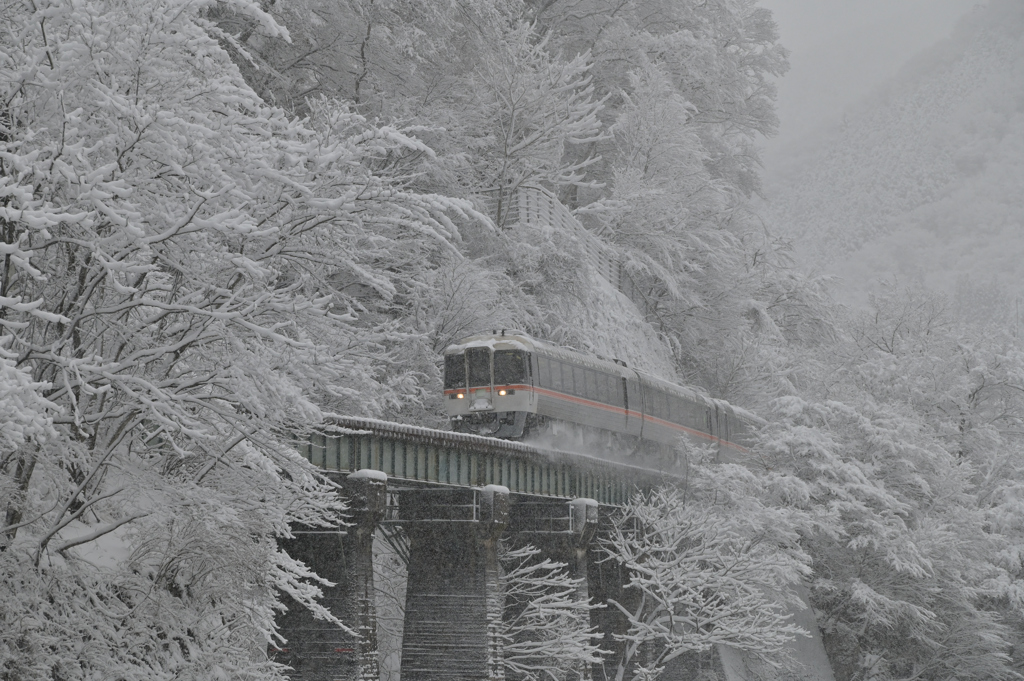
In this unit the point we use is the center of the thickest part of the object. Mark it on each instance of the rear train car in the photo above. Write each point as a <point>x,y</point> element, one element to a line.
<point>505,384</point>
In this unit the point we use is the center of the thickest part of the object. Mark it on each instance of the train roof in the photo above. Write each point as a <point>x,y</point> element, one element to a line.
<point>689,392</point>
<point>507,340</point>
<point>517,340</point>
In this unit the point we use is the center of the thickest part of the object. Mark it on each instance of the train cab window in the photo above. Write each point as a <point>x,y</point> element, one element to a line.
<point>509,367</point>
<point>478,360</point>
<point>454,371</point>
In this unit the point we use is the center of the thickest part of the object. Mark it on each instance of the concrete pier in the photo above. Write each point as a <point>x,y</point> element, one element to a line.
<point>562,531</point>
<point>318,650</point>
<point>454,600</point>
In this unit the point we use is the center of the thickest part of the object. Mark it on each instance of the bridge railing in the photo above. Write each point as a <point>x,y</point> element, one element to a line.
<point>435,457</point>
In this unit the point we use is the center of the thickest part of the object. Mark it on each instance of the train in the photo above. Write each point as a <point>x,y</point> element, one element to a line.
<point>508,385</point>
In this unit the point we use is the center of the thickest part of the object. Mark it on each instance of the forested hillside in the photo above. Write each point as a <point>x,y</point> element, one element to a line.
<point>641,121</point>
<point>923,180</point>
<point>221,221</point>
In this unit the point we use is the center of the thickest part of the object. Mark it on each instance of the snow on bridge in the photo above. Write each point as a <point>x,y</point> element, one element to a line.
<point>424,455</point>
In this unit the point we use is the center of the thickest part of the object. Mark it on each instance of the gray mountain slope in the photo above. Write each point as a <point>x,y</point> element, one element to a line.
<point>925,180</point>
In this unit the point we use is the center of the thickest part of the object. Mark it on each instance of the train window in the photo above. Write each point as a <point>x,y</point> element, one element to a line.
<point>509,367</point>
<point>454,371</point>
<point>591,379</point>
<point>558,371</point>
<point>699,412</point>
<point>603,388</point>
<point>479,362</point>
<point>689,415</point>
<point>579,383</point>
<point>552,375</point>
<point>544,372</point>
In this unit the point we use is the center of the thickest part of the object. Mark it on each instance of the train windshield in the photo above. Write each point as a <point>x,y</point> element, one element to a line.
<point>454,371</point>
<point>479,362</point>
<point>509,367</point>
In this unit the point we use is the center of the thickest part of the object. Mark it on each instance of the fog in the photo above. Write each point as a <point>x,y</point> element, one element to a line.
<point>841,50</point>
<point>899,156</point>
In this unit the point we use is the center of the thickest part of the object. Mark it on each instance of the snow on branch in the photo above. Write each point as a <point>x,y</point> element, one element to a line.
<point>698,577</point>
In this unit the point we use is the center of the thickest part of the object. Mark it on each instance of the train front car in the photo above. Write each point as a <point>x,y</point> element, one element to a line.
<point>488,387</point>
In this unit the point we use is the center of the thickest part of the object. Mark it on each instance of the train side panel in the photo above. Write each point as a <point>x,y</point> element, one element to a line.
<point>590,395</point>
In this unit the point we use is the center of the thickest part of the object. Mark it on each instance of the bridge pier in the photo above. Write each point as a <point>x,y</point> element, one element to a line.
<point>454,601</point>
<point>317,650</point>
<point>607,580</point>
<point>563,532</point>
<point>584,527</point>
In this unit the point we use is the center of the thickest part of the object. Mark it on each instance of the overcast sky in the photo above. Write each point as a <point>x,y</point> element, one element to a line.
<point>842,49</point>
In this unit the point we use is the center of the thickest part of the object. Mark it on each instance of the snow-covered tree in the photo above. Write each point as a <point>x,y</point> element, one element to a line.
<point>902,561</point>
<point>521,110</point>
<point>721,56</point>
<point>707,565</point>
<point>546,625</point>
<point>175,304</point>
<point>389,58</point>
<point>902,446</point>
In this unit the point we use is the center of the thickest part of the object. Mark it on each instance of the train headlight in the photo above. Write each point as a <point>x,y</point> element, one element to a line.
<point>503,392</point>
<point>460,396</point>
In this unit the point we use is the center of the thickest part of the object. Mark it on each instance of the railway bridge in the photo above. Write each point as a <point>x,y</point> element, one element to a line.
<point>443,500</point>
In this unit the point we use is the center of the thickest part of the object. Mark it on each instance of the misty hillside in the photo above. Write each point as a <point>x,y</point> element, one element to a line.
<point>925,179</point>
